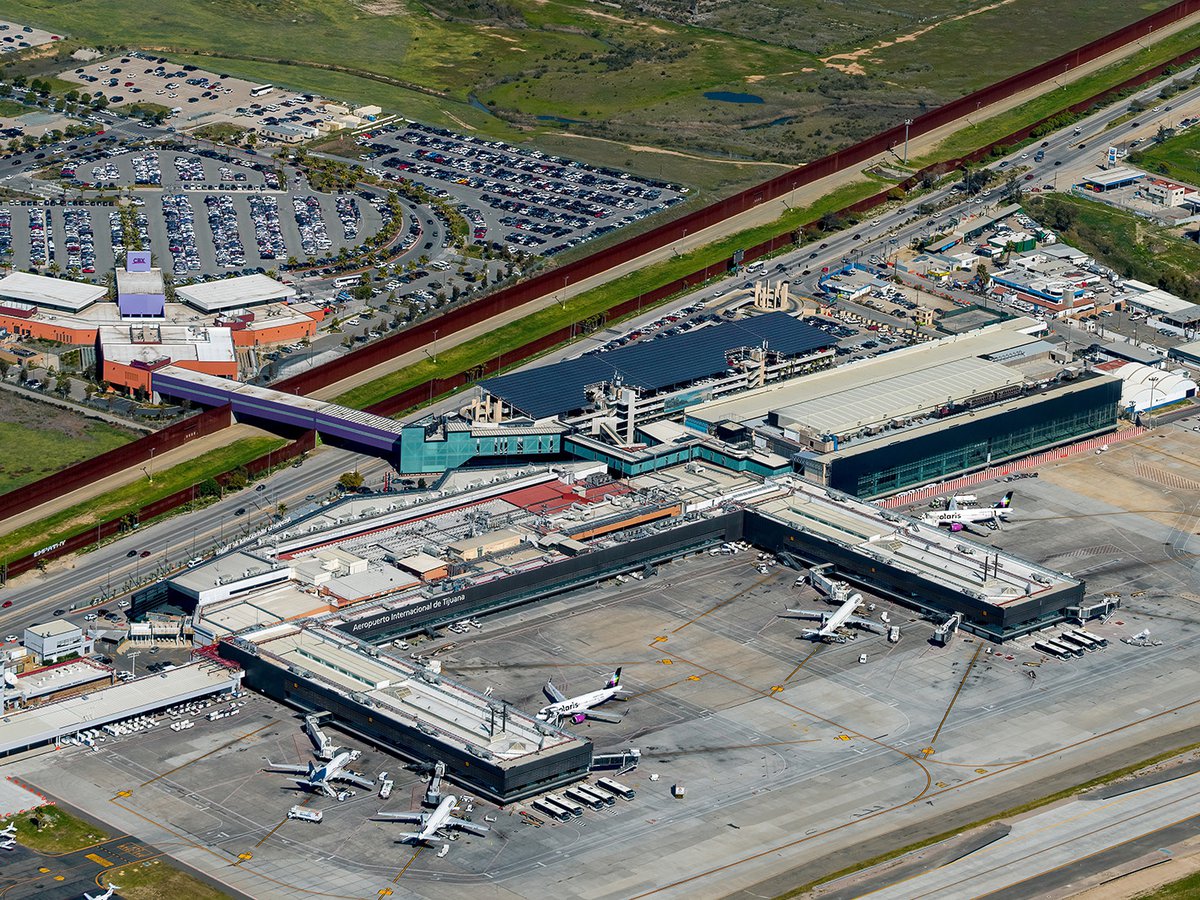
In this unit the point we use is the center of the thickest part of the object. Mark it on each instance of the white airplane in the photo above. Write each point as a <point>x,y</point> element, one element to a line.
<point>9,830</point>
<point>956,517</point>
<point>318,779</point>
<point>831,623</point>
<point>112,888</point>
<point>577,709</point>
<point>432,823</point>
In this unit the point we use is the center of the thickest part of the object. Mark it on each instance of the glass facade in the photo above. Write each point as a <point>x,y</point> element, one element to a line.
<point>972,442</point>
<point>425,450</point>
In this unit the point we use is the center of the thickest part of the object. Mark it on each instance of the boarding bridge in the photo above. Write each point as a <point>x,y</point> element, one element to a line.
<point>433,793</point>
<point>625,761</point>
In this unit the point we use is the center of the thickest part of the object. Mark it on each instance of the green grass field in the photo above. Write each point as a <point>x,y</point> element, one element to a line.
<point>1186,888</point>
<point>619,74</point>
<point>40,440</point>
<point>49,829</point>
<point>12,109</point>
<point>132,497</point>
<point>580,307</point>
<point>1177,158</point>
<point>155,879</point>
<point>1128,244</point>
<point>984,132</point>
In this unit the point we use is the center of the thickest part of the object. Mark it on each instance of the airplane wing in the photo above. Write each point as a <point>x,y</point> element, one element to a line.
<point>601,716</point>
<point>555,695</point>
<point>286,770</point>
<point>467,826</point>
<point>400,817</point>
<point>354,780</point>
<point>867,624</point>
<point>808,613</point>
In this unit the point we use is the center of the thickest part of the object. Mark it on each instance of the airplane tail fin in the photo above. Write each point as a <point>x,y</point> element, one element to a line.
<point>615,679</point>
<point>1006,501</point>
<point>312,769</point>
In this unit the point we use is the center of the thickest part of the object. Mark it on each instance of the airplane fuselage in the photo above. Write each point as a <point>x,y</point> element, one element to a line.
<point>576,706</point>
<point>438,818</point>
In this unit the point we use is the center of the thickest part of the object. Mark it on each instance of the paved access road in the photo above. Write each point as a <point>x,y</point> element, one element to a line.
<point>82,579</point>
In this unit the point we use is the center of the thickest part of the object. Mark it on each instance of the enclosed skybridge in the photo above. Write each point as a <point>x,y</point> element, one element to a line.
<point>341,425</point>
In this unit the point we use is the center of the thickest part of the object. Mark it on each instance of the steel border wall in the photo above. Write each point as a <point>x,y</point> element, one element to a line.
<point>715,213</point>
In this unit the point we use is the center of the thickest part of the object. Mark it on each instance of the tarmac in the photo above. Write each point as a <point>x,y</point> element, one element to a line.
<point>797,759</point>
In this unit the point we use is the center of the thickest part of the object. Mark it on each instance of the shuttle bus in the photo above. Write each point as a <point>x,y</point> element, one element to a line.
<point>1065,648</point>
<point>615,787</point>
<point>1072,641</point>
<point>1101,642</point>
<point>605,798</point>
<point>578,796</point>
<point>554,812</point>
<point>573,809</point>
<point>347,281</point>
<point>1056,650</point>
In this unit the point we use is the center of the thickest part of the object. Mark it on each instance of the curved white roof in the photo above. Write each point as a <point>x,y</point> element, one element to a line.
<point>1144,387</point>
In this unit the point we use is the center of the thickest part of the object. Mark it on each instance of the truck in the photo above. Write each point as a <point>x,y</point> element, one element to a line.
<point>1039,156</point>
<point>306,815</point>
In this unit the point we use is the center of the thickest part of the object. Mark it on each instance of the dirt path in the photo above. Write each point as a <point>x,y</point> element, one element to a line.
<point>766,213</point>
<point>853,65</point>
<point>638,148</point>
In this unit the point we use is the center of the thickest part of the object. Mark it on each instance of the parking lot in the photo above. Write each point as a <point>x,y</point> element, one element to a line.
<point>199,96</point>
<point>199,216</point>
<point>519,197</point>
<point>15,37</point>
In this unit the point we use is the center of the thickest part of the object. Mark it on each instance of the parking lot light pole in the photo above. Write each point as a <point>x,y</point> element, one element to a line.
<point>907,123</point>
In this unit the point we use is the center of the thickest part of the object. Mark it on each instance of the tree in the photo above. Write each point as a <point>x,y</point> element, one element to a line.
<point>237,479</point>
<point>351,481</point>
<point>62,383</point>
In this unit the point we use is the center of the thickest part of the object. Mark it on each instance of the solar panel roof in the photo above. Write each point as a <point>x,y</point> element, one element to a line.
<point>653,365</point>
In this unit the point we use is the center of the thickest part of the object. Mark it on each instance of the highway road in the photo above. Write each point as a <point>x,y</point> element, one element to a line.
<point>1067,156</point>
<point>81,579</point>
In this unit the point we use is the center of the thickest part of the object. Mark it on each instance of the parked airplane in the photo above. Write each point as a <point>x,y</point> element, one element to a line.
<point>831,622</point>
<point>318,779</point>
<point>112,888</point>
<point>10,830</point>
<point>580,708</point>
<point>432,823</point>
<point>956,517</point>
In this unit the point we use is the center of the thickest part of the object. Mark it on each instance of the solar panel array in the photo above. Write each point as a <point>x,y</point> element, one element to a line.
<point>652,365</point>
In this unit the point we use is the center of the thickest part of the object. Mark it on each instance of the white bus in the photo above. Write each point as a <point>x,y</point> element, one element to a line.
<point>347,281</point>
<point>261,90</point>
<point>615,787</point>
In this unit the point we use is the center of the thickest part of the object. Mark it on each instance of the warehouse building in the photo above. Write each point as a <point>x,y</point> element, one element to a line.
<point>44,724</point>
<point>495,750</point>
<point>24,292</point>
<point>241,292</point>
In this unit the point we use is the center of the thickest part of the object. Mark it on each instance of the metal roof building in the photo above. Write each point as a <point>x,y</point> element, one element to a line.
<point>235,293</point>
<point>559,389</point>
<point>54,293</point>
<point>24,729</point>
<point>502,753</point>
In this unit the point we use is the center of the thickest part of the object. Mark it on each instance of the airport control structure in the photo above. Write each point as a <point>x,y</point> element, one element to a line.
<point>758,395</point>
<point>314,610</point>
